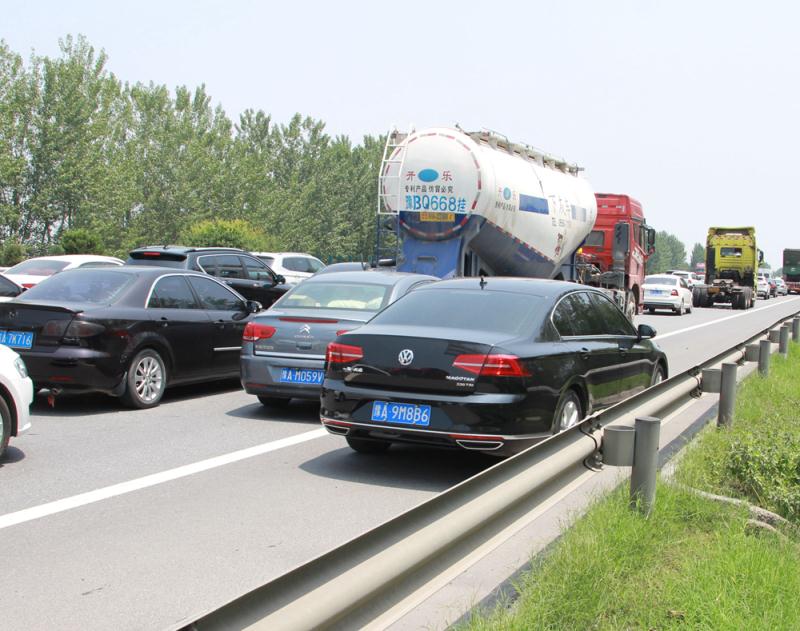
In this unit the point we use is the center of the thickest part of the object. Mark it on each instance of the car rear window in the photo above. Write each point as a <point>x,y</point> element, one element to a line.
<point>98,286</point>
<point>41,267</point>
<point>323,295</point>
<point>661,280</point>
<point>496,311</point>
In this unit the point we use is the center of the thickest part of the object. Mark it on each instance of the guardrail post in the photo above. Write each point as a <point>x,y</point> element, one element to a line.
<point>774,336</point>
<point>783,343</point>
<point>765,347</point>
<point>727,395</point>
<point>796,329</point>
<point>751,353</point>
<point>645,461</point>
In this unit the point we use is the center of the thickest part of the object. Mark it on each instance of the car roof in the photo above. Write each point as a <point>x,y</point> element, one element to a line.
<point>274,254</point>
<point>74,258</point>
<point>137,270</point>
<point>535,286</point>
<point>374,277</point>
<point>183,249</point>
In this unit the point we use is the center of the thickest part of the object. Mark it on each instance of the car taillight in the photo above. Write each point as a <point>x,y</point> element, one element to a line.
<point>81,328</point>
<point>343,353</point>
<point>674,292</point>
<point>28,285</point>
<point>254,332</point>
<point>491,365</point>
<point>151,254</point>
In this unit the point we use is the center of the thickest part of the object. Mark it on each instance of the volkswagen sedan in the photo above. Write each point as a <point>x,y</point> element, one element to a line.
<point>492,365</point>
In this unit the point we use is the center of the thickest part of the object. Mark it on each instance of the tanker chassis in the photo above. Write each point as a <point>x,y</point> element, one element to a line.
<point>731,263</point>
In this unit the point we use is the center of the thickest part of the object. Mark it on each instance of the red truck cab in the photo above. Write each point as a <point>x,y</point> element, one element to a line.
<point>618,247</point>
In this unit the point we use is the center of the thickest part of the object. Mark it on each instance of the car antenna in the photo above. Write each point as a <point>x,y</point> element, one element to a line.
<point>483,282</point>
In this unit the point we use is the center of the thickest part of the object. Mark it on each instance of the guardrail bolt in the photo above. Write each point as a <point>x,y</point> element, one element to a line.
<point>783,343</point>
<point>765,348</point>
<point>645,462</point>
<point>727,395</point>
<point>796,329</point>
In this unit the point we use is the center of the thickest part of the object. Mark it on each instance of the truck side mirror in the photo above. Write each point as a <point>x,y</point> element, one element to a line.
<point>651,240</point>
<point>760,256</point>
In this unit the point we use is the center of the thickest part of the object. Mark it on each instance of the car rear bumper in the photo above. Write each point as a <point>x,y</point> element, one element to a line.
<point>261,375</point>
<point>661,303</point>
<point>503,424</point>
<point>75,369</point>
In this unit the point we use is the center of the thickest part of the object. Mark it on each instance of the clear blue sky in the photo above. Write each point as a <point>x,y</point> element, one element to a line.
<point>691,107</point>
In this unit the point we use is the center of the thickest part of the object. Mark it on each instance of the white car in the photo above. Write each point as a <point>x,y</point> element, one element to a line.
<point>782,289</point>
<point>667,291</point>
<point>293,266</point>
<point>16,394</point>
<point>762,287</point>
<point>687,276</point>
<point>33,271</point>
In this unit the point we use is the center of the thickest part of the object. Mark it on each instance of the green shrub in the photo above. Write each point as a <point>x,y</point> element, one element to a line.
<point>235,233</point>
<point>12,253</point>
<point>80,241</point>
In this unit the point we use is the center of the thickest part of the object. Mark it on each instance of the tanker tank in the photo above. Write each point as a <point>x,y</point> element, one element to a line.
<point>472,203</point>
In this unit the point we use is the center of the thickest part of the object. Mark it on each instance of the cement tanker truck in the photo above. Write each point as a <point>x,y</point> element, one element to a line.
<point>453,203</point>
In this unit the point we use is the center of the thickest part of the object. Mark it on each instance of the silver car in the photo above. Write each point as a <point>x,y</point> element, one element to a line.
<point>283,348</point>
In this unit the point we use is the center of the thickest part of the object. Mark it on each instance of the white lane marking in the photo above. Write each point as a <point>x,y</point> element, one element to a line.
<point>730,317</point>
<point>82,499</point>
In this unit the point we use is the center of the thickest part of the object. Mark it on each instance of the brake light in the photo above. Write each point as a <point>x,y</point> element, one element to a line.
<point>491,365</point>
<point>28,285</point>
<point>255,331</point>
<point>343,353</point>
<point>153,254</point>
<point>674,292</point>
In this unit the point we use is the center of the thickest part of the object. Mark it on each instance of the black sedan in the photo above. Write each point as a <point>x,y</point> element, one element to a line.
<point>493,365</point>
<point>126,331</point>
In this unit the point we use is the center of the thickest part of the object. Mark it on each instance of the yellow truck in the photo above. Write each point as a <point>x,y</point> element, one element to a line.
<point>732,260</point>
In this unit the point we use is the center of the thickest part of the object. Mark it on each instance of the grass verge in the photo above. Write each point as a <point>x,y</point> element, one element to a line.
<point>693,564</point>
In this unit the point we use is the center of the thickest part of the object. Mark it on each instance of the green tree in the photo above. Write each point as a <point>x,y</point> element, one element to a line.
<point>698,255</point>
<point>670,253</point>
<point>228,233</point>
<point>80,241</point>
<point>12,253</point>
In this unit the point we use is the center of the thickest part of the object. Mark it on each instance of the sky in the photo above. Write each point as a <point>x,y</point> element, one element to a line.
<point>690,107</point>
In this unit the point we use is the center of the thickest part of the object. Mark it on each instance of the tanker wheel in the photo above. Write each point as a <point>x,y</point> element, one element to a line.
<point>696,296</point>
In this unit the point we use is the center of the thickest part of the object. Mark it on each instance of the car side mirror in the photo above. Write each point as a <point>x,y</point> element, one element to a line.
<point>253,306</point>
<point>280,279</point>
<point>645,332</point>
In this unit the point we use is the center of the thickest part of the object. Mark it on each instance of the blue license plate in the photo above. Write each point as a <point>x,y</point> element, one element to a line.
<point>302,375</point>
<point>16,339</point>
<point>405,413</point>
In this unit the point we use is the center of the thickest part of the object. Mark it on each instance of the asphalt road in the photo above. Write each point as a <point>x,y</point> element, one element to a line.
<point>125,519</point>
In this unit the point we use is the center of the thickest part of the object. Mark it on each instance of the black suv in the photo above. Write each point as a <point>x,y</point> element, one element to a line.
<point>250,276</point>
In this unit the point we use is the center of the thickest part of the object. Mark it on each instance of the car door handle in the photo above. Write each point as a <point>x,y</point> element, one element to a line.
<point>164,321</point>
<point>220,324</point>
<point>584,353</point>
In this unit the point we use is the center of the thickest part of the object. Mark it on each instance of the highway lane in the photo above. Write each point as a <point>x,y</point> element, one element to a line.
<point>158,556</point>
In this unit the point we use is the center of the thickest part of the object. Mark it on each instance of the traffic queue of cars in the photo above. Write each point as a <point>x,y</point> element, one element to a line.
<point>492,365</point>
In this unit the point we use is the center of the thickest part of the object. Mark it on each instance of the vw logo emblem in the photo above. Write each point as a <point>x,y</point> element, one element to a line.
<point>305,329</point>
<point>405,357</point>
<point>12,314</point>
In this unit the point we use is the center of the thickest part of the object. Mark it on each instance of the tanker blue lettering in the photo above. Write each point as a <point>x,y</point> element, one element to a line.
<point>440,203</point>
<point>428,175</point>
<point>531,204</point>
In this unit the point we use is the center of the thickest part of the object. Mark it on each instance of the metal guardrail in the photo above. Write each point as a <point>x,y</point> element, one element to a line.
<point>355,583</point>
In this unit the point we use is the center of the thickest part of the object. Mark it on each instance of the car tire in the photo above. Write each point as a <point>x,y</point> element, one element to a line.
<point>5,426</point>
<point>146,380</point>
<point>273,402</point>
<point>569,411</point>
<point>658,375</point>
<point>651,310</point>
<point>367,445</point>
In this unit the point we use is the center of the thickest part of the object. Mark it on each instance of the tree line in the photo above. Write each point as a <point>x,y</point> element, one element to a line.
<point>89,163</point>
<point>120,165</point>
